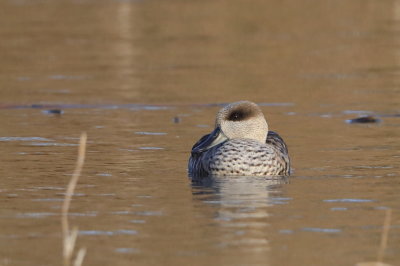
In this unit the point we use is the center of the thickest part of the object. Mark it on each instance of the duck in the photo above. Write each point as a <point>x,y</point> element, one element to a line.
<point>240,145</point>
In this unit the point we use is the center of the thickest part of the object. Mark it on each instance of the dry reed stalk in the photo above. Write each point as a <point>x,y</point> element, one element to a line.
<point>384,241</point>
<point>69,237</point>
<point>385,234</point>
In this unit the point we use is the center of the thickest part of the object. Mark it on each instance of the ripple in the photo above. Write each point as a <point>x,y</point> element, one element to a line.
<point>126,250</point>
<point>106,194</point>
<point>373,167</point>
<point>321,230</point>
<point>52,144</point>
<point>48,199</point>
<point>359,112</point>
<point>286,231</point>
<point>260,242</point>
<point>35,214</point>
<point>24,139</point>
<point>104,174</point>
<point>279,200</point>
<point>151,148</point>
<point>243,224</point>
<point>23,78</point>
<point>49,188</point>
<point>74,194</point>
<point>107,233</point>
<point>150,107</point>
<point>276,104</point>
<point>339,209</point>
<point>137,221</point>
<point>134,107</point>
<point>149,213</point>
<point>349,200</point>
<point>150,133</point>
<point>67,77</point>
<point>122,212</point>
<point>144,196</point>
<point>203,126</point>
<point>86,214</point>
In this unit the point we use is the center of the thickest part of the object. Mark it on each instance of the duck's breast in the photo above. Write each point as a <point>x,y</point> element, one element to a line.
<point>243,157</point>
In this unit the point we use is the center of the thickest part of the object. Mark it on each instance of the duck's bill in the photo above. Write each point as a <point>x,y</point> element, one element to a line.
<point>213,139</point>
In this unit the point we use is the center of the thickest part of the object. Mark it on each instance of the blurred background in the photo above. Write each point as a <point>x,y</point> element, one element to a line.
<point>144,79</point>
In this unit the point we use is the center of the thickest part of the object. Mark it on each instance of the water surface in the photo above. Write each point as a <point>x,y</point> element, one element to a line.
<point>145,78</point>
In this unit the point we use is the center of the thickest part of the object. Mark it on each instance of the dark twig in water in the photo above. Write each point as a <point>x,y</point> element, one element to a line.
<point>363,120</point>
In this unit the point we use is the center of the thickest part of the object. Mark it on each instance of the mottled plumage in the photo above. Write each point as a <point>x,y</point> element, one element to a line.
<point>240,145</point>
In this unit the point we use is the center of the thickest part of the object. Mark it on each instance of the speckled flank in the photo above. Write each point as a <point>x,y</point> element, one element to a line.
<point>242,157</point>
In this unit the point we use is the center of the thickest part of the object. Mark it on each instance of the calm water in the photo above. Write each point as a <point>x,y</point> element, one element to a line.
<point>145,78</point>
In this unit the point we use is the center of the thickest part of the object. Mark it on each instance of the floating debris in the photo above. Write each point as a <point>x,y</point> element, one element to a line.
<point>363,120</point>
<point>177,120</point>
<point>53,112</point>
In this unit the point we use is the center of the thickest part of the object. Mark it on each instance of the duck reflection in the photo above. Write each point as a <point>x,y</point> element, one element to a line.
<point>239,209</point>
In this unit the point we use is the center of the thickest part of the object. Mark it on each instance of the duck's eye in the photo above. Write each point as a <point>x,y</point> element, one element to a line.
<point>236,116</point>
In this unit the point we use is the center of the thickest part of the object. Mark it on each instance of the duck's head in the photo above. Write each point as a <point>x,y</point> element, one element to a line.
<point>242,120</point>
<point>239,120</point>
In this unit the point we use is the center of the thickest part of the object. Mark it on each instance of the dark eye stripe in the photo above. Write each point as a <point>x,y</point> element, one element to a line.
<point>237,116</point>
<point>240,114</point>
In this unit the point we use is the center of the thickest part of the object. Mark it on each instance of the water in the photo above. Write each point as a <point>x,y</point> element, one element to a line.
<point>145,78</point>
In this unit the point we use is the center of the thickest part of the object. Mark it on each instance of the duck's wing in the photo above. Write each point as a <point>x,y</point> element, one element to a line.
<point>200,141</point>
<point>275,140</point>
<point>195,167</point>
<point>278,143</point>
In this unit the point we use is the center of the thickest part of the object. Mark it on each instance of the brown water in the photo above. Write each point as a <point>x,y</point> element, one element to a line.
<point>145,78</point>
